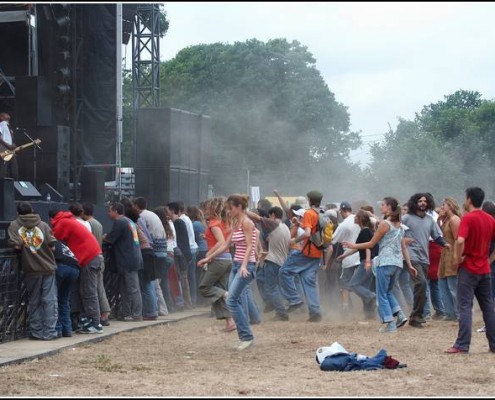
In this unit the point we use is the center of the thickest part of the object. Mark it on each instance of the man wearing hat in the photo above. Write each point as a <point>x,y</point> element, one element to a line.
<point>304,263</point>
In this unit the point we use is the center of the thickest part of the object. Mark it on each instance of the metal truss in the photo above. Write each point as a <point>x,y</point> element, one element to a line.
<point>146,56</point>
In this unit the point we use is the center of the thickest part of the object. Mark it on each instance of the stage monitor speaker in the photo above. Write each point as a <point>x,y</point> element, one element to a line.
<point>33,99</point>
<point>24,190</point>
<point>93,185</point>
<point>7,204</point>
<point>50,194</point>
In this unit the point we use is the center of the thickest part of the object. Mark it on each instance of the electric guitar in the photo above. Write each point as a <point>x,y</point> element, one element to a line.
<point>7,155</point>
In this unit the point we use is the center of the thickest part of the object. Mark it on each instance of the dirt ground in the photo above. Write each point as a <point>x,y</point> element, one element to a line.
<point>193,357</point>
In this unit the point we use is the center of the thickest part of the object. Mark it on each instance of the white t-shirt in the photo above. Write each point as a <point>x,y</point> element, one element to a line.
<point>347,231</point>
<point>85,223</point>
<point>190,231</point>
<point>5,132</point>
<point>171,243</point>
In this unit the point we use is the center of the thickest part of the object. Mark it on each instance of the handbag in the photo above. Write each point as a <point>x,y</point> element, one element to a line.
<point>149,264</point>
<point>162,265</point>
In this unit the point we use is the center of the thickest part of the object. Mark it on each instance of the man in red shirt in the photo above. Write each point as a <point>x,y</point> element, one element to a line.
<point>87,250</point>
<point>476,230</point>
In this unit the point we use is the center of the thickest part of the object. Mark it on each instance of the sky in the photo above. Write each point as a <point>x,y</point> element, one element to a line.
<point>381,60</point>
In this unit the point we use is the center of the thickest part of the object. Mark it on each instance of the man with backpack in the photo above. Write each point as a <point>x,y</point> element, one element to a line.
<point>305,263</point>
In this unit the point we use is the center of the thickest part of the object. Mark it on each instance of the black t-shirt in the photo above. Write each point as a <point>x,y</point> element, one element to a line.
<point>182,238</point>
<point>365,236</point>
<point>63,255</point>
<point>125,241</point>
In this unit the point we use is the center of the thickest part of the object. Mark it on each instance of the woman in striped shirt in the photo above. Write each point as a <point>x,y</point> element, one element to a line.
<point>244,267</point>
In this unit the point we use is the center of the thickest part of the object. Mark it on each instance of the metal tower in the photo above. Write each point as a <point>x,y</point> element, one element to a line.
<point>146,56</point>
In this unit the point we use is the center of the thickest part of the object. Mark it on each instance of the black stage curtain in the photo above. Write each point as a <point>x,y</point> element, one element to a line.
<point>97,141</point>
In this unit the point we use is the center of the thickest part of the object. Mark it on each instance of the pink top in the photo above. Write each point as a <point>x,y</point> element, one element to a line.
<point>239,240</point>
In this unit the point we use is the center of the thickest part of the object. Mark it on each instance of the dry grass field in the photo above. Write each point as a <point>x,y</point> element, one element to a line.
<point>193,357</point>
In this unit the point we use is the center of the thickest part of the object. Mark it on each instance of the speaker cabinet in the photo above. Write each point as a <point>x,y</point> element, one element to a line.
<point>25,190</point>
<point>7,204</point>
<point>33,101</point>
<point>172,152</point>
<point>93,186</point>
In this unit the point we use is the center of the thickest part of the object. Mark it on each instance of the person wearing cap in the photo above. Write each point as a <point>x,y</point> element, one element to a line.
<point>304,263</point>
<point>347,231</point>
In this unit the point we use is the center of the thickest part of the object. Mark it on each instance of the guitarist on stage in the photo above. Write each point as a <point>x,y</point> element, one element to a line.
<point>7,169</point>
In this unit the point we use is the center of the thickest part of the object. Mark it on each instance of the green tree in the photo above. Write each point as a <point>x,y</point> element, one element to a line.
<point>446,148</point>
<point>272,114</point>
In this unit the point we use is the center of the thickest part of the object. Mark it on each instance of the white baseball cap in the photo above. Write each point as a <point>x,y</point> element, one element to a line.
<point>299,213</point>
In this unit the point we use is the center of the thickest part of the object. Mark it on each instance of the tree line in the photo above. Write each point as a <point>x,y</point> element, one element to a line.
<point>274,116</point>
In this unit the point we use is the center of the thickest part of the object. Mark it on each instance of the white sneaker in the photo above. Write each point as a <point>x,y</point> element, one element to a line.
<point>244,344</point>
<point>482,329</point>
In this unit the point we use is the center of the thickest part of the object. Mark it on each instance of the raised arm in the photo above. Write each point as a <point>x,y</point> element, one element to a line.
<point>283,204</point>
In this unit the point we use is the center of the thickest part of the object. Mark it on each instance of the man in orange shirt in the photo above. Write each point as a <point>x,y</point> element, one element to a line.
<point>304,263</point>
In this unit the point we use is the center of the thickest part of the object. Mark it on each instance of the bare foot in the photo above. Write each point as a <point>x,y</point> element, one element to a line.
<point>229,328</point>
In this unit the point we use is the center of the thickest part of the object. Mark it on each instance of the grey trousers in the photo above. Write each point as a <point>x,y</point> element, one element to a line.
<point>418,285</point>
<point>131,304</point>
<point>88,288</point>
<point>42,305</point>
<point>102,295</point>
<point>214,284</point>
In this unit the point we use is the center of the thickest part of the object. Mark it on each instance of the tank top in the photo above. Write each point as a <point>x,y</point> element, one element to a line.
<point>390,250</point>
<point>239,240</point>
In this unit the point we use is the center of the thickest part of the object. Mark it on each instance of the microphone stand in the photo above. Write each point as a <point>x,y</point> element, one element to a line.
<point>34,155</point>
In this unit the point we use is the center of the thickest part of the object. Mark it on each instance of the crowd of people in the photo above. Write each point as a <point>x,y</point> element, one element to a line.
<point>411,263</point>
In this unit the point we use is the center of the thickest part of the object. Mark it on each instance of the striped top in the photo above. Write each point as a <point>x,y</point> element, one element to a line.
<point>239,240</point>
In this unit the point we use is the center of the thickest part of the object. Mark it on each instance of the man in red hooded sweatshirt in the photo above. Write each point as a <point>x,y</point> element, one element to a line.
<point>88,252</point>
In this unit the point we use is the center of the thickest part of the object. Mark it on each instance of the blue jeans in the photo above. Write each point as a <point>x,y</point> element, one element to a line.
<point>261,283</point>
<point>468,286</point>
<point>148,296</point>
<point>66,277</point>
<point>492,267</point>
<point>386,276</point>
<point>435,298</point>
<point>307,269</point>
<point>297,281</point>
<point>250,307</point>
<point>237,287</point>
<point>272,287</point>
<point>191,276</point>
<point>448,291</point>
<point>360,283</point>
<point>402,289</point>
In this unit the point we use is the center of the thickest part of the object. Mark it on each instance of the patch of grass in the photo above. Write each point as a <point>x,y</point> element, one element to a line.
<point>103,363</point>
<point>141,368</point>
